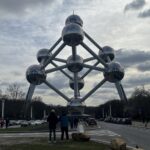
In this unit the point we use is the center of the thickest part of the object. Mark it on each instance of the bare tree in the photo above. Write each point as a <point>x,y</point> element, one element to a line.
<point>14,91</point>
<point>37,98</point>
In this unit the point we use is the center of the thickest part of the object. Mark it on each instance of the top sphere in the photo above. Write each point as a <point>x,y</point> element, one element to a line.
<point>43,54</point>
<point>74,19</point>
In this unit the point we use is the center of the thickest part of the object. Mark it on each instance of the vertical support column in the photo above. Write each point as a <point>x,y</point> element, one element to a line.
<point>3,109</point>
<point>44,114</point>
<point>110,113</point>
<point>103,112</point>
<point>76,89</point>
<point>31,114</point>
<point>74,52</point>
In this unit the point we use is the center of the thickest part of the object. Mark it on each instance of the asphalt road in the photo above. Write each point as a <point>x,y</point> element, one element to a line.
<point>132,135</point>
<point>107,131</point>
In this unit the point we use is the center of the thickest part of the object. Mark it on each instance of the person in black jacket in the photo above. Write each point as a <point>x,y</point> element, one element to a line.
<point>52,120</point>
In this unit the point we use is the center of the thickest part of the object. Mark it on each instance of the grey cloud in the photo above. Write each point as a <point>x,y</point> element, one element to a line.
<point>129,58</point>
<point>144,66</point>
<point>135,5</point>
<point>20,6</point>
<point>144,14</point>
<point>138,80</point>
<point>58,80</point>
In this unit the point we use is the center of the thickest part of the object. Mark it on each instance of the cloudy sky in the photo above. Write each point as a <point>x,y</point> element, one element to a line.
<point>29,25</point>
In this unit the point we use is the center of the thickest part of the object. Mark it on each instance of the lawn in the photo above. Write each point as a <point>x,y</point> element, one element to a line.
<point>43,127</point>
<point>42,144</point>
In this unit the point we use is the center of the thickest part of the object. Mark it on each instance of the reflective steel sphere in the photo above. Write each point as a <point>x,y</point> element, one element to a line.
<point>74,19</point>
<point>80,84</point>
<point>114,73</point>
<point>72,34</point>
<point>35,75</point>
<point>43,55</point>
<point>75,65</point>
<point>76,102</point>
<point>107,52</point>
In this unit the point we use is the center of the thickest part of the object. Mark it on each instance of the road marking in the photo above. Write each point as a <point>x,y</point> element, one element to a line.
<point>102,133</point>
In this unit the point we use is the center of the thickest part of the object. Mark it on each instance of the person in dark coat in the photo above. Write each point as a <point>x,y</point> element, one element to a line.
<point>7,122</point>
<point>52,120</point>
<point>64,121</point>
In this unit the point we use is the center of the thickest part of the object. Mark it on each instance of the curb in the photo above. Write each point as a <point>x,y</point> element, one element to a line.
<point>108,143</point>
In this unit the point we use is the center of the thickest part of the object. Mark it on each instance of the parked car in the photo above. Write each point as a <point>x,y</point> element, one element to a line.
<point>91,121</point>
<point>24,123</point>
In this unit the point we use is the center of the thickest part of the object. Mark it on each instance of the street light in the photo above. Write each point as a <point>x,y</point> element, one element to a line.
<point>3,109</point>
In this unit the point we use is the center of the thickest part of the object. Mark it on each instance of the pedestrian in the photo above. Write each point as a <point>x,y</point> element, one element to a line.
<point>64,121</point>
<point>52,120</point>
<point>76,120</point>
<point>1,122</point>
<point>71,122</point>
<point>7,122</point>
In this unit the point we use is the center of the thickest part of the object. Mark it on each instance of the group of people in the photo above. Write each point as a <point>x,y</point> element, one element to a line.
<point>53,121</point>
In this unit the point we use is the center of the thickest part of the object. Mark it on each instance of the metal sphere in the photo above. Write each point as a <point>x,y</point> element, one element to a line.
<point>74,19</point>
<point>75,65</point>
<point>72,34</point>
<point>43,54</point>
<point>107,52</point>
<point>114,72</point>
<point>80,84</point>
<point>35,75</point>
<point>76,102</point>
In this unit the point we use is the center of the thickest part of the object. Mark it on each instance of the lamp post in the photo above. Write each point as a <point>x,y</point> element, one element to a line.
<point>3,108</point>
<point>110,111</point>
<point>44,114</point>
<point>31,113</point>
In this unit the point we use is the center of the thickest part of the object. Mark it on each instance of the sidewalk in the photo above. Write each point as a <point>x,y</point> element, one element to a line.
<point>140,125</point>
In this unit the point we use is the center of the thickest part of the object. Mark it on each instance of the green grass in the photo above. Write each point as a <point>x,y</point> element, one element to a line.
<point>42,144</point>
<point>38,128</point>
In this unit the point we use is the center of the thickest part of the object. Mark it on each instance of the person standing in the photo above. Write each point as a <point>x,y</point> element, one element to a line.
<point>7,122</point>
<point>64,121</point>
<point>52,120</point>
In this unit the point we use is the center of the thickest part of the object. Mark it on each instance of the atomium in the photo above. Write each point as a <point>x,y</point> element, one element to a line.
<point>75,67</point>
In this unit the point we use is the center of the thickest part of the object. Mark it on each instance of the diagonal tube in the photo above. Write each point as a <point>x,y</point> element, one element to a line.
<point>55,69</point>
<point>84,75</point>
<point>121,92</point>
<point>67,75</point>
<point>93,90</point>
<point>88,59</point>
<point>90,39</point>
<point>28,98</point>
<point>54,55</point>
<point>93,67</point>
<point>57,42</point>
<point>60,60</point>
<point>92,53</point>
<point>57,91</point>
